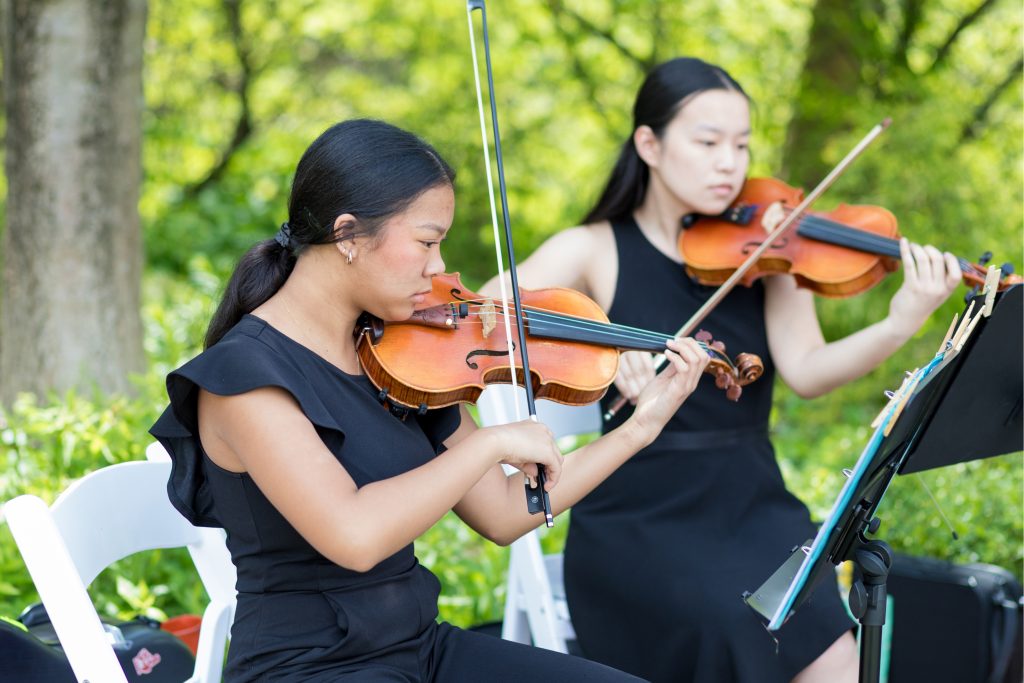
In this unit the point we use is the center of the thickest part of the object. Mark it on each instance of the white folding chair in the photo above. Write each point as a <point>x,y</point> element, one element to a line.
<point>67,545</point>
<point>535,608</point>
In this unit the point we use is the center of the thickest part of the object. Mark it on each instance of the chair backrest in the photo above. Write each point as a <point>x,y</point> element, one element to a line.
<point>535,608</point>
<point>497,403</point>
<point>105,516</point>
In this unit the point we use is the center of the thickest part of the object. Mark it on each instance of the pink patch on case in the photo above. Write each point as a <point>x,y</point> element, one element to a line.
<point>145,661</point>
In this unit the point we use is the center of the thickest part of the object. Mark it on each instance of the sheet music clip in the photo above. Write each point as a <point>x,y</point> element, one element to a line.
<point>991,286</point>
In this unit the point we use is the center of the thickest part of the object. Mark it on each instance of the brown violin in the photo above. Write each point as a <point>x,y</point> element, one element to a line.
<point>839,253</point>
<point>455,345</point>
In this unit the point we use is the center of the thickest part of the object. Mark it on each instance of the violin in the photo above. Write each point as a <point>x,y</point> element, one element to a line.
<point>453,346</point>
<point>837,254</point>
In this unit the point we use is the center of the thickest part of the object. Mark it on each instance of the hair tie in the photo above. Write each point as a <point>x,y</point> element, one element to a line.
<point>284,237</point>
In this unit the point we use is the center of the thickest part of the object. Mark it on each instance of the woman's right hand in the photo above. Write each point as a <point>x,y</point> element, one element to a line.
<point>636,370</point>
<point>524,445</point>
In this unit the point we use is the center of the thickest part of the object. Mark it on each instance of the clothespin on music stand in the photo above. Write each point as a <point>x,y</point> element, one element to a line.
<point>967,333</point>
<point>896,398</point>
<point>949,333</point>
<point>962,327</point>
<point>967,326</point>
<point>903,397</point>
<point>991,286</point>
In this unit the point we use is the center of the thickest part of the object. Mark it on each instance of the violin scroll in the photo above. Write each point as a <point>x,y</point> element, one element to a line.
<point>731,376</point>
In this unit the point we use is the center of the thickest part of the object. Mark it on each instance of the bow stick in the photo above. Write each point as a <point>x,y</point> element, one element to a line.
<point>659,360</point>
<point>537,499</point>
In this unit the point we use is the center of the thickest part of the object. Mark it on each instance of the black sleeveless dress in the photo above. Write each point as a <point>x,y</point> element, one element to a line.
<point>658,556</point>
<point>299,616</point>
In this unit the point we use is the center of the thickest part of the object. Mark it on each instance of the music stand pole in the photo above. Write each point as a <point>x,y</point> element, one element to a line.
<point>868,601</point>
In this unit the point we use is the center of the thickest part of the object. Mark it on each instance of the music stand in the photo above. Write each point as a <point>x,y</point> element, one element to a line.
<point>963,406</point>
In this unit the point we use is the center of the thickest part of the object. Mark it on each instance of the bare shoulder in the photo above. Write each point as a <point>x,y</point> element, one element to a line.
<point>560,261</point>
<point>582,257</point>
<point>575,257</point>
<point>602,268</point>
<point>580,241</point>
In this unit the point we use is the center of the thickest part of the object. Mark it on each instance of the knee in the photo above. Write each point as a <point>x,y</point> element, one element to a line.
<point>837,664</point>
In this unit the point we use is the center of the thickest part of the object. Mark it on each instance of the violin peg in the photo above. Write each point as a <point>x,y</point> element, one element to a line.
<point>717,346</point>
<point>703,336</point>
<point>723,380</point>
<point>734,392</point>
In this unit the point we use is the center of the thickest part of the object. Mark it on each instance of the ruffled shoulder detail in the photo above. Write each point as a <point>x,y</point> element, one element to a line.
<point>245,359</point>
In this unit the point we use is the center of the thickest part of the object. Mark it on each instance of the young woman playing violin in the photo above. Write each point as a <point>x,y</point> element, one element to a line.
<point>277,435</point>
<point>658,555</point>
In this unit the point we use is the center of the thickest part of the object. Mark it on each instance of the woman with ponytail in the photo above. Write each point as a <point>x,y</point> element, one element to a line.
<point>277,436</point>
<point>658,556</point>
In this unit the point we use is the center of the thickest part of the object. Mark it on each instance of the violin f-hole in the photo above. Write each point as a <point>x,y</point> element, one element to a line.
<point>485,352</point>
<point>752,245</point>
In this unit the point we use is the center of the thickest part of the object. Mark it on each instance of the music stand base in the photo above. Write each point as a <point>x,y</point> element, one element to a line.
<point>867,603</point>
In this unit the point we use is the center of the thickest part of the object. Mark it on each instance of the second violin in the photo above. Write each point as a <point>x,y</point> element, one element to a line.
<point>839,253</point>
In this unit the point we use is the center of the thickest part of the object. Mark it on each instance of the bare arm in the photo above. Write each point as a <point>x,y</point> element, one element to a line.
<point>496,508</point>
<point>581,258</point>
<point>264,433</point>
<point>812,367</point>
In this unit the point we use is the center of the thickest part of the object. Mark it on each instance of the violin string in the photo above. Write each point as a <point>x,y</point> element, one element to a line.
<point>875,242</point>
<point>574,322</point>
<point>545,315</point>
<point>852,236</point>
<point>625,339</point>
<point>611,331</point>
<point>608,329</point>
<point>594,324</point>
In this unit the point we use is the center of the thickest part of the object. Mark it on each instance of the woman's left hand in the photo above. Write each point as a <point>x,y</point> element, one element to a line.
<point>661,398</point>
<point>929,277</point>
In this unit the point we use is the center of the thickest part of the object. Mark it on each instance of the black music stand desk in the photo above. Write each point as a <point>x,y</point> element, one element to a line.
<point>965,407</point>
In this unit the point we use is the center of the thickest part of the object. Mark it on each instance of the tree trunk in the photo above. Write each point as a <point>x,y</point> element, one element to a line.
<point>838,47</point>
<point>70,309</point>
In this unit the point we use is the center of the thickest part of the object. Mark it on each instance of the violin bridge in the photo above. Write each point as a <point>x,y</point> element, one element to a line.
<point>773,216</point>
<point>488,317</point>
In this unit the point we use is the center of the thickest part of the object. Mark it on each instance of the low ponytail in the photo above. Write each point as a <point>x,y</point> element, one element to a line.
<point>257,277</point>
<point>625,188</point>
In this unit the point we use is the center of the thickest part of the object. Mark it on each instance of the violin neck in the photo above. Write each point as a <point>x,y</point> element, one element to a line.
<point>832,232</point>
<point>561,327</point>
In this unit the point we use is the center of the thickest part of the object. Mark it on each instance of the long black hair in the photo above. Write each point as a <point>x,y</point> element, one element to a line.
<point>664,92</point>
<point>367,168</point>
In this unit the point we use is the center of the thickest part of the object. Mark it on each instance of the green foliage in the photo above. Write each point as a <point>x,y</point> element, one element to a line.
<point>566,73</point>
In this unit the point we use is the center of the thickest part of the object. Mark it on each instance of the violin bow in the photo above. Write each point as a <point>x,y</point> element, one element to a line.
<point>537,499</point>
<point>716,298</point>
